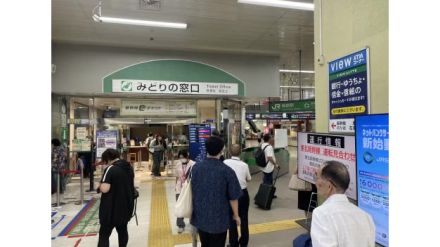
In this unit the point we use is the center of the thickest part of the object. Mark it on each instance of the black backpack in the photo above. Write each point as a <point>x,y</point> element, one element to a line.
<point>260,157</point>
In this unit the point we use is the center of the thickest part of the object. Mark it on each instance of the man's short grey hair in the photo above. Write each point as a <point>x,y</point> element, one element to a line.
<point>337,174</point>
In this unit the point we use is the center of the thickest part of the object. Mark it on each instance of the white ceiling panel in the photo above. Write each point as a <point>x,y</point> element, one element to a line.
<point>213,25</point>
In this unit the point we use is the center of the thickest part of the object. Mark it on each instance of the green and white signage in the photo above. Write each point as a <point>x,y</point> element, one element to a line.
<point>173,87</point>
<point>292,106</point>
<point>158,108</point>
<point>173,77</point>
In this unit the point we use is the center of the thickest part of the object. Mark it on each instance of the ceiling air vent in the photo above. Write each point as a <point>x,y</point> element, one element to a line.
<point>149,4</point>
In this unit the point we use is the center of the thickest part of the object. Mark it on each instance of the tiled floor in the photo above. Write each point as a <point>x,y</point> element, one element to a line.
<point>283,208</point>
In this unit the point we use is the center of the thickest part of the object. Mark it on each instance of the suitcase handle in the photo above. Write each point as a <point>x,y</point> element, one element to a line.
<point>276,177</point>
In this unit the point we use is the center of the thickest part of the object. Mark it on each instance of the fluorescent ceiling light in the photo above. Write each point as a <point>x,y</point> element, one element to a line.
<point>140,22</point>
<point>281,4</point>
<point>303,87</point>
<point>297,71</point>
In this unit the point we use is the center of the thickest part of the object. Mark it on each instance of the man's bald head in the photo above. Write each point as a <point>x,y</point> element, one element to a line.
<point>235,150</point>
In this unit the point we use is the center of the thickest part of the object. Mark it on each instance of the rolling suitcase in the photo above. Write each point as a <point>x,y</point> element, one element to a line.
<point>265,194</point>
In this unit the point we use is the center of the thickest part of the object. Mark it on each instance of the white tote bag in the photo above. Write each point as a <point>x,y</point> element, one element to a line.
<point>183,207</point>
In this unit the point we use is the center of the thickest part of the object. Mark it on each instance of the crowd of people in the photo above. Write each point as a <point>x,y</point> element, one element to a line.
<point>220,199</point>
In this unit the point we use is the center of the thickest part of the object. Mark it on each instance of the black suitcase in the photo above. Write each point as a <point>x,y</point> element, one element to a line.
<point>265,194</point>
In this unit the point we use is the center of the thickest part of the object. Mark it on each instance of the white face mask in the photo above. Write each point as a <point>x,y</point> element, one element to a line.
<point>183,160</point>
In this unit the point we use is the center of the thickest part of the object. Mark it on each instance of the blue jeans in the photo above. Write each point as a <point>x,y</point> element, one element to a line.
<point>268,178</point>
<point>303,240</point>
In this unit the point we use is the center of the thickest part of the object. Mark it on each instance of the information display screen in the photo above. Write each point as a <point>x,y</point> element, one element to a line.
<point>372,137</point>
<point>198,134</point>
<point>105,139</point>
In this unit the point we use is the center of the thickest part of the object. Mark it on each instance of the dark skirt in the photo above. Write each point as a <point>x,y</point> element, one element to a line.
<point>304,198</point>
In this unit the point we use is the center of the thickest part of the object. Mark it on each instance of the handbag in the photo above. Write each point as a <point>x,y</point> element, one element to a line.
<point>299,185</point>
<point>183,207</point>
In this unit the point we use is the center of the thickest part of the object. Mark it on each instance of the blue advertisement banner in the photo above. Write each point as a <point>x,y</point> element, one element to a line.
<point>198,134</point>
<point>349,61</point>
<point>348,86</point>
<point>372,138</point>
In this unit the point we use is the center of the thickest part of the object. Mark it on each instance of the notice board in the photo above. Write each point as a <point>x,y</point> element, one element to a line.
<point>105,139</point>
<point>372,138</point>
<point>315,148</point>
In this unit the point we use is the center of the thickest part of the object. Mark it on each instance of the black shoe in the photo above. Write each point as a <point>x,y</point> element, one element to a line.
<point>274,196</point>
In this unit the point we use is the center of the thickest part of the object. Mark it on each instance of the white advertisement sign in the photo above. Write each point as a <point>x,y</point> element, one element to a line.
<point>81,133</point>
<point>105,139</point>
<point>315,148</point>
<point>280,138</point>
<point>158,108</point>
<point>345,125</point>
<point>173,87</point>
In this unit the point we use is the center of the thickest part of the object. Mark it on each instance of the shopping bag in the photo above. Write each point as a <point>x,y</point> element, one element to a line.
<point>297,184</point>
<point>183,207</point>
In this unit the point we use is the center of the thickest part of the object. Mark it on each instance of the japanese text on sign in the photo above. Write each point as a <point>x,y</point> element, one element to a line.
<point>173,87</point>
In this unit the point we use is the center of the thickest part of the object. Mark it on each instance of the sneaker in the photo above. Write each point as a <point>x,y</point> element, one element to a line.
<point>180,230</point>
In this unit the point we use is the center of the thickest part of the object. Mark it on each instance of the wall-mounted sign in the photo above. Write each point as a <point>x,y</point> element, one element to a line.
<point>173,87</point>
<point>81,133</point>
<point>292,106</point>
<point>105,139</point>
<point>314,149</point>
<point>372,138</point>
<point>158,108</point>
<point>348,90</point>
<point>81,145</point>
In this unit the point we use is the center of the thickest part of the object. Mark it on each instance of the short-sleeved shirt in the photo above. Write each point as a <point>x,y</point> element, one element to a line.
<point>213,184</point>
<point>241,170</point>
<point>268,152</point>
<point>117,204</point>
<point>58,157</point>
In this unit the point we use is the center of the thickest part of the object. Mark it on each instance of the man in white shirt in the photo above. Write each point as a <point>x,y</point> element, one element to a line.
<point>337,222</point>
<point>267,146</point>
<point>241,170</point>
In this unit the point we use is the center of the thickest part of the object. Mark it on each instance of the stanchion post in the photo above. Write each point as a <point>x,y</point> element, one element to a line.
<point>58,187</point>
<point>81,184</point>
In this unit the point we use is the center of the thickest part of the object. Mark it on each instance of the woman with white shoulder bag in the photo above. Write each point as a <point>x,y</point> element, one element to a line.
<point>182,169</point>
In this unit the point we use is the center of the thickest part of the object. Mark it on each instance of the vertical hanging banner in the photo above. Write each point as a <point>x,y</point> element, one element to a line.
<point>315,148</point>
<point>105,139</point>
<point>198,134</point>
<point>349,86</point>
<point>372,138</point>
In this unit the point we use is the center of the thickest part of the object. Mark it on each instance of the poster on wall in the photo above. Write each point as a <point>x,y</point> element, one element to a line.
<point>105,139</point>
<point>280,138</point>
<point>198,134</point>
<point>315,148</point>
<point>372,138</point>
<point>349,86</point>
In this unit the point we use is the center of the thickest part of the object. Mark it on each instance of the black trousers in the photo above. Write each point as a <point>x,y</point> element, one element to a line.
<point>243,209</point>
<point>212,239</point>
<point>106,231</point>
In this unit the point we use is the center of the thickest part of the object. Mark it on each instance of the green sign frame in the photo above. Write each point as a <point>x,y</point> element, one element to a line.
<point>292,106</point>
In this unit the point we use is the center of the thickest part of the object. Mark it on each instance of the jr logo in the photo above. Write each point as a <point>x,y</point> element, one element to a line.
<point>126,86</point>
<point>276,106</point>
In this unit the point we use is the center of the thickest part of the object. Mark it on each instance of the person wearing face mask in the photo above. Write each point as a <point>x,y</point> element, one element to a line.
<point>337,222</point>
<point>183,166</point>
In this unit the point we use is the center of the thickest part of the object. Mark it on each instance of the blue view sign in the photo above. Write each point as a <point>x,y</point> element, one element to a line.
<point>372,135</point>
<point>348,90</point>
<point>198,134</point>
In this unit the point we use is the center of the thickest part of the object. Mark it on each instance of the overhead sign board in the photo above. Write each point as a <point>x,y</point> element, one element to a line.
<point>315,148</point>
<point>158,108</point>
<point>348,90</point>
<point>372,139</point>
<point>173,87</point>
<point>292,106</point>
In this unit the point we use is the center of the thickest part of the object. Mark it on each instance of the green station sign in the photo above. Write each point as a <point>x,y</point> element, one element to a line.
<point>292,106</point>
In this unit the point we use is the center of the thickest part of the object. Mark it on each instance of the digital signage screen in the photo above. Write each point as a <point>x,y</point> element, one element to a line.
<point>372,138</point>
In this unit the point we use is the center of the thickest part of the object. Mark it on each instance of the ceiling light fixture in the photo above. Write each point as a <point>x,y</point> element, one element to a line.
<point>297,71</point>
<point>97,17</point>
<point>281,4</point>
